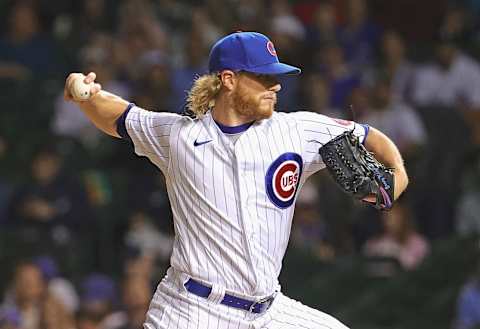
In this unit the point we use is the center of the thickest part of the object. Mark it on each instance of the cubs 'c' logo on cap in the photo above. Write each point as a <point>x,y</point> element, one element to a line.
<point>282,179</point>
<point>271,48</point>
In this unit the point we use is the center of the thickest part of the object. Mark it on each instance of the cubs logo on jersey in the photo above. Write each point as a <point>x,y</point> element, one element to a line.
<point>282,179</point>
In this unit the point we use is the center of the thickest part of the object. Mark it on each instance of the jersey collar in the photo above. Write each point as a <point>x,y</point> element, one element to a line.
<point>233,129</point>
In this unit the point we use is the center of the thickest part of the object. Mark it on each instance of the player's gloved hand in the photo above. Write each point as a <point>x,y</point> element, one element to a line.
<point>88,79</point>
<point>357,172</point>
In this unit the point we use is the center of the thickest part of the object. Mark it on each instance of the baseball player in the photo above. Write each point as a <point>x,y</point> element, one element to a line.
<point>233,170</point>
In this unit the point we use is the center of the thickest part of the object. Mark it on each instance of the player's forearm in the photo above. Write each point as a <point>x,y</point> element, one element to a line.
<point>387,153</point>
<point>103,109</point>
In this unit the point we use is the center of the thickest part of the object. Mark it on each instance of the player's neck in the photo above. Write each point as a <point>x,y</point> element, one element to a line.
<point>224,113</point>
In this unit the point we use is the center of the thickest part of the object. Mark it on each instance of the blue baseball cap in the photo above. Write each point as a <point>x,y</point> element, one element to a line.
<point>247,51</point>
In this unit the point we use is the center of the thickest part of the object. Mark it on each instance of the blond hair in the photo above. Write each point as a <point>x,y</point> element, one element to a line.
<point>203,93</point>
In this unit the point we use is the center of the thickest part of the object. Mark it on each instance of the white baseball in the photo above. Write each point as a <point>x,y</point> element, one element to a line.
<point>80,90</point>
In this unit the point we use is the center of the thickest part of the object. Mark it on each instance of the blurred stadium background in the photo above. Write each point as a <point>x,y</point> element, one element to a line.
<point>85,226</point>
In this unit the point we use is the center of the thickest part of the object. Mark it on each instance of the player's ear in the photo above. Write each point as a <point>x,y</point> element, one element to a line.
<point>229,79</point>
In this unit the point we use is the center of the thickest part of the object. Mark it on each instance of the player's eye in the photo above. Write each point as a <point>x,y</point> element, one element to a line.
<point>266,78</point>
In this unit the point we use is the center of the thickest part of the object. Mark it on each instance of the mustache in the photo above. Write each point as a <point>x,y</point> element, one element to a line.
<point>272,96</point>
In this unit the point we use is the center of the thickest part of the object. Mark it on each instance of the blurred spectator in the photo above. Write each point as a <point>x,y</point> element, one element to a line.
<point>399,239</point>
<point>310,231</point>
<point>37,307</point>
<point>10,318</point>
<point>457,23</point>
<point>394,64</point>
<point>323,28</point>
<point>447,97</point>
<point>25,50</point>
<point>468,304</point>
<point>174,13</point>
<point>60,288</point>
<point>251,15</point>
<point>87,320</point>
<point>358,36</point>
<point>397,66</point>
<point>154,85</point>
<point>453,80</point>
<point>204,28</point>
<point>92,18</point>
<point>467,218</point>
<point>137,37</point>
<point>68,121</point>
<point>359,101</point>
<point>183,76</point>
<point>148,192</point>
<point>283,21</point>
<point>136,295</point>
<point>287,34</point>
<point>143,236</point>
<point>341,78</point>
<point>51,206</point>
<point>397,120</point>
<point>99,300</point>
<point>5,187</point>
<point>154,81</point>
<point>136,264</point>
<point>317,95</point>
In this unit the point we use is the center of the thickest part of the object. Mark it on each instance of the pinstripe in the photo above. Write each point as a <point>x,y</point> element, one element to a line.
<point>265,200</point>
<point>222,237</point>
<point>242,222</point>
<point>188,312</point>
<point>252,223</point>
<point>255,221</point>
<point>296,310</point>
<point>197,249</point>
<point>198,309</point>
<point>323,123</point>
<point>208,238</point>
<point>262,222</point>
<point>228,214</point>
<point>188,241</point>
<point>171,303</point>
<point>190,223</point>
<point>174,201</point>
<point>288,227</point>
<point>328,133</point>
<point>238,215</point>
<point>274,213</point>
<point>282,214</point>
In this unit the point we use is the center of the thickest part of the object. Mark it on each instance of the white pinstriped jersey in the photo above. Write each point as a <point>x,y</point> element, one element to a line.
<point>233,203</point>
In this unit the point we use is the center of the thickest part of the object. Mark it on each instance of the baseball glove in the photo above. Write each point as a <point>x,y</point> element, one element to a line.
<point>357,172</point>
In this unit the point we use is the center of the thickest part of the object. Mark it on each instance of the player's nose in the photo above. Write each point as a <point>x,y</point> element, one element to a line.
<point>276,87</point>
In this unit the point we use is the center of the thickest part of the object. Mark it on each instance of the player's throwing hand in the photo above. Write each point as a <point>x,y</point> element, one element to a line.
<point>79,88</point>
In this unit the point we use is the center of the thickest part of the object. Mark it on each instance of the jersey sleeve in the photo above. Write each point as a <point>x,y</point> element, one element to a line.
<point>317,130</point>
<point>149,133</point>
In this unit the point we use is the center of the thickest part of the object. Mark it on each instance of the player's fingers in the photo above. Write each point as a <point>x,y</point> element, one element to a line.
<point>370,198</point>
<point>95,89</point>
<point>67,95</point>
<point>90,77</point>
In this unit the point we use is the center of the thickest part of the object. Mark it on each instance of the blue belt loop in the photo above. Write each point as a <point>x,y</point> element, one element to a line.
<point>201,290</point>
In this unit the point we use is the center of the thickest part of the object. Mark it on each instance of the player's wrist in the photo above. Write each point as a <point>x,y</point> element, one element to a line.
<point>400,181</point>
